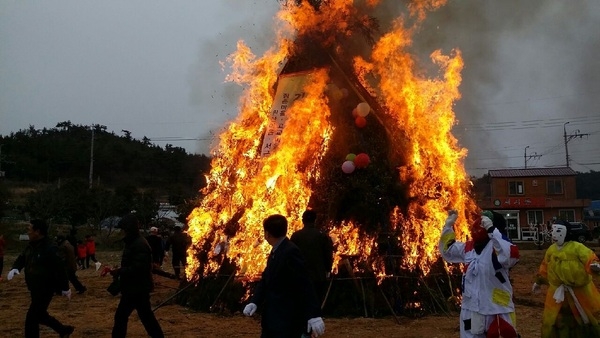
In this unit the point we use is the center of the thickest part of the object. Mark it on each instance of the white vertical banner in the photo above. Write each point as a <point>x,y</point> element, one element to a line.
<point>290,87</point>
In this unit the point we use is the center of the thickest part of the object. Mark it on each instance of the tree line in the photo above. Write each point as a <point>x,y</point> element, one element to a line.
<point>47,174</point>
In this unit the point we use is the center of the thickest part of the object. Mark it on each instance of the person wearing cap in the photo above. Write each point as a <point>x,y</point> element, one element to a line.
<point>45,275</point>
<point>136,283</point>
<point>284,293</point>
<point>156,244</point>
<point>572,305</point>
<point>487,308</point>
<point>178,243</point>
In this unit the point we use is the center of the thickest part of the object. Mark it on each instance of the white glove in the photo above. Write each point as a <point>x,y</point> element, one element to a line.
<point>12,274</point>
<point>535,288</point>
<point>595,267</point>
<point>250,309</point>
<point>316,326</point>
<point>67,294</point>
<point>452,216</point>
<point>486,222</point>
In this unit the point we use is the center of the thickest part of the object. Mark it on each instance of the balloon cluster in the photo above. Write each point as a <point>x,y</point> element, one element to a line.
<point>361,160</point>
<point>353,162</point>
<point>360,113</point>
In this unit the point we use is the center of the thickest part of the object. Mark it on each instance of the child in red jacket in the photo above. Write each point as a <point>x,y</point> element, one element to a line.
<point>81,254</point>
<point>91,252</point>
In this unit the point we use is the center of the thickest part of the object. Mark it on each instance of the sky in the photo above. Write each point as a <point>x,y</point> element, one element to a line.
<point>153,68</point>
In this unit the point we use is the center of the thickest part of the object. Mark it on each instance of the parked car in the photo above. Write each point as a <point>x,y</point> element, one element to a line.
<point>581,232</point>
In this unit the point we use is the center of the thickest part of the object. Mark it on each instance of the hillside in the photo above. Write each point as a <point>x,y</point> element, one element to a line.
<point>47,173</point>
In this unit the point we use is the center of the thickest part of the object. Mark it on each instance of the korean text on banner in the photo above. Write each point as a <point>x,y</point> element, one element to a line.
<point>289,88</point>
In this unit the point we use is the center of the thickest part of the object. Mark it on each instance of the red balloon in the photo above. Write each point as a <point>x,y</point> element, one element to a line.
<point>360,121</point>
<point>354,112</point>
<point>362,160</point>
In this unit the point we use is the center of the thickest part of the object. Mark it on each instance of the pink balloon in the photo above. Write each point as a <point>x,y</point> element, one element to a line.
<point>348,167</point>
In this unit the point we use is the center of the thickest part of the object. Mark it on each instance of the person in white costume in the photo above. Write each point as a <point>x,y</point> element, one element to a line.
<point>487,308</point>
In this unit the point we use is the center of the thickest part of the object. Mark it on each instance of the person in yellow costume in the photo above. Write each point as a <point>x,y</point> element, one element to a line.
<point>572,306</point>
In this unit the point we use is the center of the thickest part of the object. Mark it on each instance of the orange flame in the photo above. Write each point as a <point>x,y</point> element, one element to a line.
<point>244,188</point>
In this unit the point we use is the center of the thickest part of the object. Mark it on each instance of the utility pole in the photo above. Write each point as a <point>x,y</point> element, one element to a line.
<point>569,138</point>
<point>566,148</point>
<point>1,172</point>
<point>527,158</point>
<point>92,159</point>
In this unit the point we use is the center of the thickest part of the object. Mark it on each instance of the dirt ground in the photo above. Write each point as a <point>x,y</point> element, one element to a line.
<point>92,312</point>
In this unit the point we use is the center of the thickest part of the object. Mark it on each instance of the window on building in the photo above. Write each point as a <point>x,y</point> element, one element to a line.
<point>535,217</point>
<point>567,214</point>
<point>555,187</point>
<point>515,188</point>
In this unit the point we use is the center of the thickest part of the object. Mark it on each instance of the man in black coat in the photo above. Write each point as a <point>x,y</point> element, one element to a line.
<point>157,247</point>
<point>178,242</point>
<point>317,249</point>
<point>136,282</point>
<point>285,294</point>
<point>45,274</point>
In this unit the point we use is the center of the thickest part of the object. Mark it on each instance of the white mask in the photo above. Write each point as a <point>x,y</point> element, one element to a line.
<point>559,233</point>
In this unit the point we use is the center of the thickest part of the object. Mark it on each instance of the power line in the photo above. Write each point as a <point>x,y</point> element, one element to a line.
<point>522,125</point>
<point>176,139</point>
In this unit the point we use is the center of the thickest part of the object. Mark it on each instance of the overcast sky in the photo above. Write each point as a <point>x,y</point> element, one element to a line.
<point>152,68</point>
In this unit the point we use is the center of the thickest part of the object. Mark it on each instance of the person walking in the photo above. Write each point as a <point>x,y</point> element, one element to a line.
<point>178,243</point>
<point>487,308</point>
<point>572,306</point>
<point>285,294</point>
<point>90,245</point>
<point>317,249</point>
<point>67,254</point>
<point>135,274</point>
<point>45,274</point>
<point>156,244</point>
<point>81,254</point>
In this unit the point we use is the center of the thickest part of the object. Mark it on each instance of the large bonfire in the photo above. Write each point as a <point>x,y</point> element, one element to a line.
<point>333,86</point>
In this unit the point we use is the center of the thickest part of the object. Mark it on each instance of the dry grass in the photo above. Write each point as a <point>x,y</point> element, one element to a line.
<point>92,313</point>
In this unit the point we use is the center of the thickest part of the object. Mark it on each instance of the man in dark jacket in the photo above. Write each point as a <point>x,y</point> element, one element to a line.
<point>317,249</point>
<point>136,282</point>
<point>286,295</point>
<point>157,247</point>
<point>45,274</point>
<point>178,242</point>
<point>67,254</point>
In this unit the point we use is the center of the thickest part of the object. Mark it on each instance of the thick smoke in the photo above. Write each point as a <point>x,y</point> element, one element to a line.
<point>529,67</point>
<point>208,90</point>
